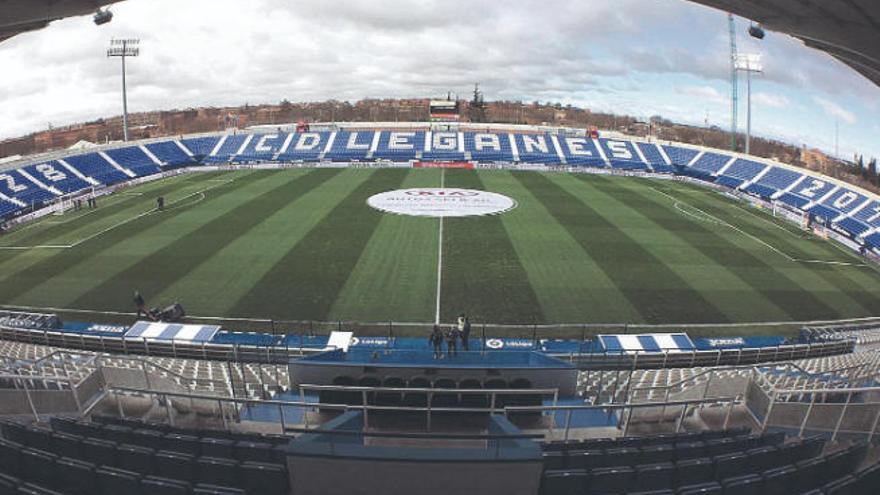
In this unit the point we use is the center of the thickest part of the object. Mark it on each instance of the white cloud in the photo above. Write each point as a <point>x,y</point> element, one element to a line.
<point>228,52</point>
<point>770,100</point>
<point>707,94</point>
<point>836,111</point>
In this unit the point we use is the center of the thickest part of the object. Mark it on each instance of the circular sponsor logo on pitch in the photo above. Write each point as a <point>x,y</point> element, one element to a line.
<point>441,202</point>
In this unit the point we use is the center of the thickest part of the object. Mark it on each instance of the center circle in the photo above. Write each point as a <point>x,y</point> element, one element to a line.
<point>441,202</point>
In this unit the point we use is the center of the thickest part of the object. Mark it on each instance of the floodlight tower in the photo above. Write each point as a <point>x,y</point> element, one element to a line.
<point>734,95</point>
<point>749,63</point>
<point>122,49</point>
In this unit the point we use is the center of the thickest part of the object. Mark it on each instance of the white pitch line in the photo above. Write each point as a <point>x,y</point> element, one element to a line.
<point>440,253</point>
<point>713,219</point>
<point>117,225</point>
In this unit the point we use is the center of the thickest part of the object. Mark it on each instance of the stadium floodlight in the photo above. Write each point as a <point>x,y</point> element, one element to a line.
<point>124,48</point>
<point>756,31</point>
<point>102,17</point>
<point>749,63</point>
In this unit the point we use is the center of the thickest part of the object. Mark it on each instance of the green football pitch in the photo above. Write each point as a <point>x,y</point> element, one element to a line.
<point>302,244</point>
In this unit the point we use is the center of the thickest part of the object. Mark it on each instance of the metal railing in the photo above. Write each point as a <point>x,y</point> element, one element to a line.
<point>164,397</point>
<point>278,354</point>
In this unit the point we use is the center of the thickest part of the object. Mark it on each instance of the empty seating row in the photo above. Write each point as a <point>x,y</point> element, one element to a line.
<point>644,441</point>
<point>759,446</point>
<point>27,471</point>
<point>728,474</point>
<point>208,466</point>
<point>72,434</point>
<point>196,432</point>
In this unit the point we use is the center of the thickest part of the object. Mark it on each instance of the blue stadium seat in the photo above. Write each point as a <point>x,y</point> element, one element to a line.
<point>268,479</point>
<point>176,465</point>
<point>622,154</point>
<point>170,154</point>
<point>585,459</point>
<point>217,447</point>
<point>219,471</point>
<point>113,481</point>
<point>694,471</point>
<point>655,159</point>
<point>680,156</point>
<point>488,147</point>
<point>33,489</point>
<point>778,481</point>
<point>710,488</point>
<point>78,477</point>
<point>405,146</point>
<point>136,458</point>
<point>56,175</point>
<point>186,444</point>
<point>200,147</point>
<point>8,484</point>
<point>116,433</point>
<point>580,151</point>
<point>156,485</point>
<point>708,165</point>
<point>306,146</point>
<point>100,452</point>
<point>611,480</point>
<point>655,476</point>
<point>730,465</point>
<point>94,166</point>
<point>564,482</point>
<point>133,158</point>
<point>67,445</point>
<point>229,148</point>
<point>253,451</point>
<point>750,483</point>
<point>350,146</point>
<point>208,489</point>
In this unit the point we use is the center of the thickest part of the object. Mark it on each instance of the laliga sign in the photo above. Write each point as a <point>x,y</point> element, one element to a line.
<point>441,202</point>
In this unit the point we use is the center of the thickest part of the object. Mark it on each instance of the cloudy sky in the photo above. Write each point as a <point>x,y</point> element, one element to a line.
<point>639,57</point>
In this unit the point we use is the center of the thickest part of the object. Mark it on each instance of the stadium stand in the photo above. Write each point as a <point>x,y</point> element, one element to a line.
<point>135,160</point>
<point>200,147</point>
<point>849,211</point>
<point>444,146</point>
<point>170,153</point>
<point>680,157</point>
<point>54,174</point>
<point>622,155</point>
<point>740,172</point>
<point>399,146</point>
<point>655,160</point>
<point>707,165</point>
<point>96,167</point>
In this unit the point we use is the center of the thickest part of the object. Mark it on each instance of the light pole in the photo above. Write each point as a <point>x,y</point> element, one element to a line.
<point>749,63</point>
<point>122,49</point>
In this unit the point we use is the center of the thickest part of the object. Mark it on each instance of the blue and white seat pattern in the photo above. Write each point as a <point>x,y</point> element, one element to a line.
<point>843,207</point>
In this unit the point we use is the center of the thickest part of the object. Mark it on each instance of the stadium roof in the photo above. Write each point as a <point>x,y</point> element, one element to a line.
<point>20,16</point>
<point>849,30</point>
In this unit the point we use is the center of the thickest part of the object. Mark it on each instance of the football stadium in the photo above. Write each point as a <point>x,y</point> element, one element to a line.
<point>440,306</point>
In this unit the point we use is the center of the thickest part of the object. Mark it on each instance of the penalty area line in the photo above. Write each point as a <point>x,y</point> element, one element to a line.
<point>200,193</point>
<point>715,220</point>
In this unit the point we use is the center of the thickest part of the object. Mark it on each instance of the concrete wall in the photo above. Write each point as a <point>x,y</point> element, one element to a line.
<point>320,476</point>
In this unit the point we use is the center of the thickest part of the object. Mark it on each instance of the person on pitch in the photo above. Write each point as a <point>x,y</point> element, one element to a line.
<point>436,340</point>
<point>160,203</point>
<point>141,304</point>
<point>466,333</point>
<point>452,337</point>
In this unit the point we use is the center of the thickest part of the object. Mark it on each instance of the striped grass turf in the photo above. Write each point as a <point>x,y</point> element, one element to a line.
<point>303,244</point>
